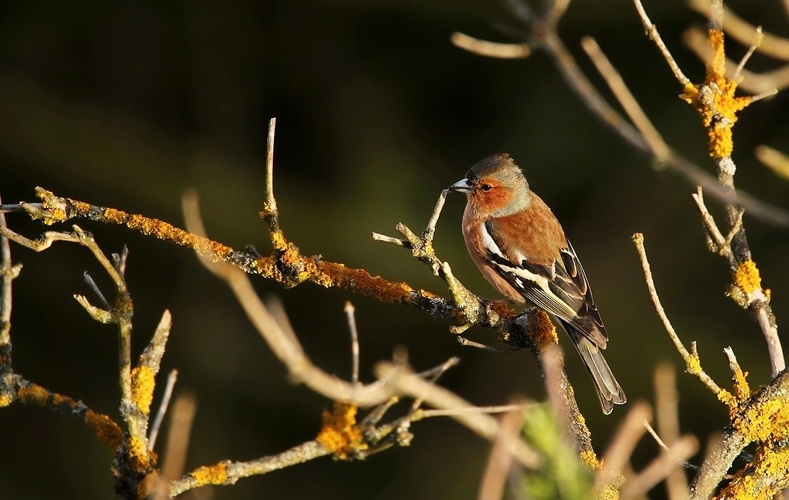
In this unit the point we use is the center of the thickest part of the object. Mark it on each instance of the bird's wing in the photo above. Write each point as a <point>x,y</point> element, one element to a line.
<point>559,287</point>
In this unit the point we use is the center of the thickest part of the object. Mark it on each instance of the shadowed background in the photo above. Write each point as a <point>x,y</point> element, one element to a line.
<point>129,105</point>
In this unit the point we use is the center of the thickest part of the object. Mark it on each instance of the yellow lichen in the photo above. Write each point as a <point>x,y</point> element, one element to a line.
<point>611,491</point>
<point>211,474</point>
<point>763,478</point>
<point>746,277</point>
<point>727,398</point>
<point>339,433</point>
<point>140,457</point>
<point>5,400</point>
<point>742,390</point>
<point>693,364</point>
<point>763,421</point>
<point>142,385</point>
<point>590,459</point>
<point>278,240</point>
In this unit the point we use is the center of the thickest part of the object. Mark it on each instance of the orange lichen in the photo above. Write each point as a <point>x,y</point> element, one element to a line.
<point>210,474</point>
<point>339,433</point>
<point>715,100</point>
<point>5,400</point>
<point>142,385</point>
<point>105,428</point>
<point>747,278</point>
<point>34,394</point>
<point>541,329</point>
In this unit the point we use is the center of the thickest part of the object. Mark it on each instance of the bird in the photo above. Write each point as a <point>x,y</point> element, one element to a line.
<point>520,248</point>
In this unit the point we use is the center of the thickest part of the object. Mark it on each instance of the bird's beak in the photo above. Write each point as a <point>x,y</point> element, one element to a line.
<point>461,186</point>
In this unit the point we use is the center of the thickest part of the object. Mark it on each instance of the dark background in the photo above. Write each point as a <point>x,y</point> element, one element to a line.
<point>130,104</point>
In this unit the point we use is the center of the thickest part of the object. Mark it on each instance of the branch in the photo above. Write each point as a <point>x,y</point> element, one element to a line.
<point>762,418</point>
<point>543,35</point>
<point>692,361</point>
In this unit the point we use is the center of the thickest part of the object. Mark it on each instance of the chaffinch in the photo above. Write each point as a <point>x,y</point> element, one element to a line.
<point>520,248</point>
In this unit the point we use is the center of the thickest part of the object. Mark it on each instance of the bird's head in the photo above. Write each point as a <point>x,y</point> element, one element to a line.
<point>495,187</point>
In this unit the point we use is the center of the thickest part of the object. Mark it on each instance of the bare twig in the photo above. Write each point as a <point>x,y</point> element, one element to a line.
<point>490,49</point>
<point>657,145</point>
<point>654,35</point>
<point>776,160</point>
<point>153,434</point>
<point>279,338</point>
<point>744,32</point>
<point>180,430</point>
<point>627,436</point>
<point>500,461</point>
<point>7,274</point>
<point>692,362</point>
<point>667,413</point>
<point>349,312</point>
<point>668,461</point>
<point>757,40</point>
<point>270,212</point>
<point>438,397</point>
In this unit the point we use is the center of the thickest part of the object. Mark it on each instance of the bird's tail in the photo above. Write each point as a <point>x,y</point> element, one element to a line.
<point>608,389</point>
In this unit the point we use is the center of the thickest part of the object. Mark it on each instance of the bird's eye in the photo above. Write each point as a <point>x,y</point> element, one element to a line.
<point>486,187</point>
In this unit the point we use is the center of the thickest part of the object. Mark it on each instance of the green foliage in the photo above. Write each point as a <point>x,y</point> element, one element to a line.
<point>562,475</point>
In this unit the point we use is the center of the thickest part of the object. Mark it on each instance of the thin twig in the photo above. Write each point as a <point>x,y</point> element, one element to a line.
<point>490,49</point>
<point>743,31</point>
<point>430,230</point>
<point>668,461</point>
<point>627,436</point>
<point>692,363</point>
<point>438,397</point>
<point>179,435</point>
<point>657,145</point>
<point>667,413</point>
<point>474,409</point>
<point>757,40</point>
<point>500,461</point>
<point>777,161</point>
<point>349,312</point>
<point>654,35</point>
<point>7,274</point>
<point>280,339</point>
<point>270,208</point>
<point>162,411</point>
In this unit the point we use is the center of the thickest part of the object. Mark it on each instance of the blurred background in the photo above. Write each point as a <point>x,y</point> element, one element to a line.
<point>129,104</point>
